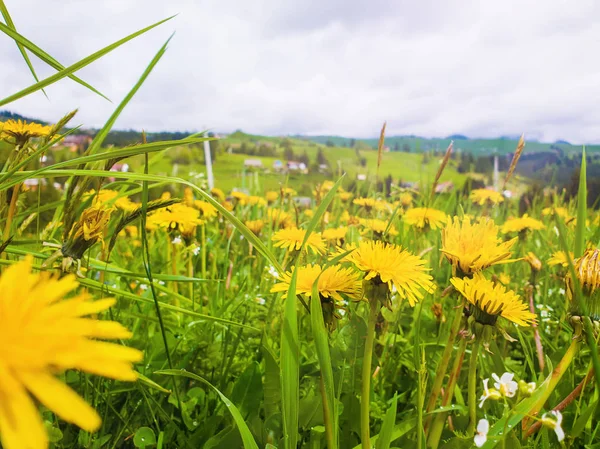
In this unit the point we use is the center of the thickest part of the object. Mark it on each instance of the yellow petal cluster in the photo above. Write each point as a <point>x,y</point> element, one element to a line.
<point>472,246</point>
<point>492,300</point>
<point>334,282</point>
<point>394,266</point>
<point>42,335</point>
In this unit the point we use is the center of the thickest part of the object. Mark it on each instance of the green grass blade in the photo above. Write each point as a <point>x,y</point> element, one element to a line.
<point>321,338</point>
<point>12,28</point>
<point>387,428</point>
<point>22,42</point>
<point>290,367</point>
<point>77,66</point>
<point>247,438</point>
<point>99,138</point>
<point>106,155</point>
<point>581,209</point>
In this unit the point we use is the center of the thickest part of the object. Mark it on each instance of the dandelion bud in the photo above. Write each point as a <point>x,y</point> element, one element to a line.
<point>587,270</point>
<point>533,261</point>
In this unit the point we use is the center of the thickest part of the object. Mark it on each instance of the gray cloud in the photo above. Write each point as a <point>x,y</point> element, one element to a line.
<point>324,67</point>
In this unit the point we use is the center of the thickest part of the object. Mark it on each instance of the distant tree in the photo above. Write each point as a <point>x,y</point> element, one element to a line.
<point>329,143</point>
<point>288,154</point>
<point>304,158</point>
<point>396,146</point>
<point>352,143</point>
<point>406,147</point>
<point>388,185</point>
<point>321,159</point>
<point>363,161</point>
<point>484,164</point>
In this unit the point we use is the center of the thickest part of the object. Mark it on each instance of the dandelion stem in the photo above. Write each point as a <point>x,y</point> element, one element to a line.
<point>438,424</point>
<point>444,362</point>
<point>329,434</point>
<point>11,211</point>
<point>366,376</point>
<point>473,387</point>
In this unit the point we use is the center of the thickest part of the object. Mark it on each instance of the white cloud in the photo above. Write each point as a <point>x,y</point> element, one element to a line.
<point>324,67</point>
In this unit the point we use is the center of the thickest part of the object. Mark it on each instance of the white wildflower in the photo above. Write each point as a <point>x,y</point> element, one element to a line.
<point>483,427</point>
<point>505,384</point>
<point>488,393</point>
<point>553,420</point>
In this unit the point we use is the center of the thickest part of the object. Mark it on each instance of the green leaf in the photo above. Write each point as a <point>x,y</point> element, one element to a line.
<point>77,66</point>
<point>247,438</point>
<point>385,435</point>
<point>144,437</point>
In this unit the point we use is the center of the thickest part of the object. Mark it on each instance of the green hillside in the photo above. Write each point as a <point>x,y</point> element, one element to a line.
<point>502,145</point>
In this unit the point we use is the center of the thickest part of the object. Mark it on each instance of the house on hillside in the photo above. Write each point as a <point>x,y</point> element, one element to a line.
<point>255,164</point>
<point>444,187</point>
<point>296,167</point>
<point>278,166</point>
<point>76,143</point>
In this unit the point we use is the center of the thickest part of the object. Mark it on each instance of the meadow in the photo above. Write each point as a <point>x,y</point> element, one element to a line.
<point>141,309</point>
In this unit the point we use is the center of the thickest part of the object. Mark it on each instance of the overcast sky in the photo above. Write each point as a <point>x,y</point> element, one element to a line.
<point>431,68</point>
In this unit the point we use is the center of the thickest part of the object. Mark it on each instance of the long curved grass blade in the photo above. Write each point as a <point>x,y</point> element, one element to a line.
<point>95,285</point>
<point>122,153</point>
<point>581,209</point>
<point>101,135</point>
<point>321,338</point>
<point>77,66</point>
<point>22,42</point>
<point>12,28</point>
<point>247,438</point>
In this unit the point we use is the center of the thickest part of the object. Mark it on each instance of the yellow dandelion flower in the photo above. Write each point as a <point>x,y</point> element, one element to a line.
<point>504,278</point>
<point>218,194</point>
<point>474,246</point>
<point>188,197</point>
<point>279,218</point>
<point>344,250</point>
<point>109,197</point>
<point>255,226</point>
<point>345,196</point>
<point>560,258</point>
<point>240,198</point>
<point>323,189</point>
<point>207,210</point>
<point>288,191</point>
<point>22,131</point>
<point>309,213</point>
<point>335,234</point>
<point>392,265</point>
<point>132,231</point>
<point>406,199</point>
<point>166,195</point>
<point>422,217</point>
<point>228,205</point>
<point>378,226</point>
<point>493,300</point>
<point>90,226</point>
<point>486,196</point>
<point>522,224</point>
<point>271,196</point>
<point>43,335</point>
<point>334,282</point>
<point>292,239</point>
<point>562,212</point>
<point>367,203</point>
<point>177,217</point>
<point>254,200</point>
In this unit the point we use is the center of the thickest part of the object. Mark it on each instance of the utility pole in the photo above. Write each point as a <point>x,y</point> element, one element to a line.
<point>208,162</point>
